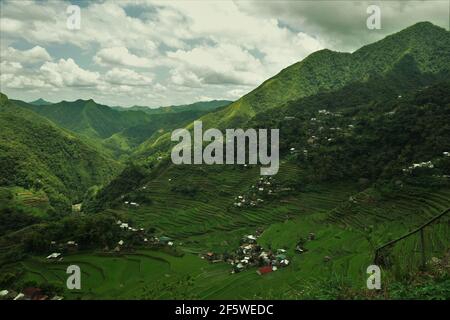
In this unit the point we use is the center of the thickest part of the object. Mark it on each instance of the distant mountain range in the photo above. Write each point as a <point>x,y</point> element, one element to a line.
<point>197,106</point>
<point>118,129</point>
<point>40,102</point>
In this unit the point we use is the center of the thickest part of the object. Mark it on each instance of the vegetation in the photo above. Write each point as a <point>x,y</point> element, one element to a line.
<point>37,155</point>
<point>365,142</point>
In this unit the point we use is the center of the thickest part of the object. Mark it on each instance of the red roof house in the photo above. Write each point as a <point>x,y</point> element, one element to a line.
<point>264,270</point>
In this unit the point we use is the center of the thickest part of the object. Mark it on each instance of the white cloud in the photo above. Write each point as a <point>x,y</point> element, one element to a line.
<point>21,82</point>
<point>342,24</point>
<point>120,56</point>
<point>10,25</point>
<point>9,67</point>
<point>236,93</point>
<point>68,73</point>
<point>34,55</point>
<point>221,64</point>
<point>185,78</point>
<point>127,77</point>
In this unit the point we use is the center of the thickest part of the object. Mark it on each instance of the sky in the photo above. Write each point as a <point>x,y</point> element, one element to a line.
<point>159,53</point>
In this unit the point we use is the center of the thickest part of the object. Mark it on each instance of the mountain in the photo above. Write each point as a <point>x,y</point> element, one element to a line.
<point>365,179</point>
<point>119,130</point>
<point>423,46</point>
<point>38,155</point>
<point>402,63</point>
<point>88,118</point>
<point>326,70</point>
<point>204,106</point>
<point>40,102</point>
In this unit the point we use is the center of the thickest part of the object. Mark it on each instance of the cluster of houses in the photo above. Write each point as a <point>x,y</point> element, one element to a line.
<point>250,254</point>
<point>131,203</point>
<point>318,134</point>
<point>61,248</point>
<point>424,164</point>
<point>427,164</point>
<point>130,237</point>
<point>142,236</point>
<point>258,192</point>
<point>30,293</point>
<point>292,150</point>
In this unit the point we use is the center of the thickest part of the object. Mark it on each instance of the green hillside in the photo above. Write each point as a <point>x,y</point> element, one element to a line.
<point>37,155</point>
<point>424,45</point>
<point>326,70</point>
<point>89,118</point>
<point>156,125</point>
<point>351,193</point>
<point>118,131</point>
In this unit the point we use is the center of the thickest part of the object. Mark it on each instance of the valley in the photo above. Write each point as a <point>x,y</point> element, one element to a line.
<point>364,159</point>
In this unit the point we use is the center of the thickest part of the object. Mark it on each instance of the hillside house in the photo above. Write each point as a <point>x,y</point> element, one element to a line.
<point>54,255</point>
<point>20,296</point>
<point>165,240</point>
<point>264,270</point>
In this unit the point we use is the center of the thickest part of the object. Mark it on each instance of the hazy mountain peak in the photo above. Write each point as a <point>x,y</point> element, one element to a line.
<point>40,102</point>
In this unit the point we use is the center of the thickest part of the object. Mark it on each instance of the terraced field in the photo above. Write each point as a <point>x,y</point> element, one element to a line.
<point>349,225</point>
<point>211,210</point>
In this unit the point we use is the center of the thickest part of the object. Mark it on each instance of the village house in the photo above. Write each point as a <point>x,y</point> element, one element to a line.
<point>20,296</point>
<point>54,255</point>
<point>3,293</point>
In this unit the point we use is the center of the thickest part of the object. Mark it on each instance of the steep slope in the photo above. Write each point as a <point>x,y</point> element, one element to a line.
<point>117,131</point>
<point>326,70</point>
<point>36,154</point>
<point>88,118</point>
<point>161,120</point>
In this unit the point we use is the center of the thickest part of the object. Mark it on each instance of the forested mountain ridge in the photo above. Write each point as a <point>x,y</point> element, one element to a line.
<point>196,106</point>
<point>116,130</point>
<point>36,154</point>
<point>88,117</point>
<point>325,70</point>
<point>40,102</point>
<point>423,49</point>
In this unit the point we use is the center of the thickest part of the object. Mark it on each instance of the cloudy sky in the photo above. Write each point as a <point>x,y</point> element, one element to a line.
<point>162,52</point>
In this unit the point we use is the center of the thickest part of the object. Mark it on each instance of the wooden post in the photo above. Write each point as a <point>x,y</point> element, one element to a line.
<point>422,247</point>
